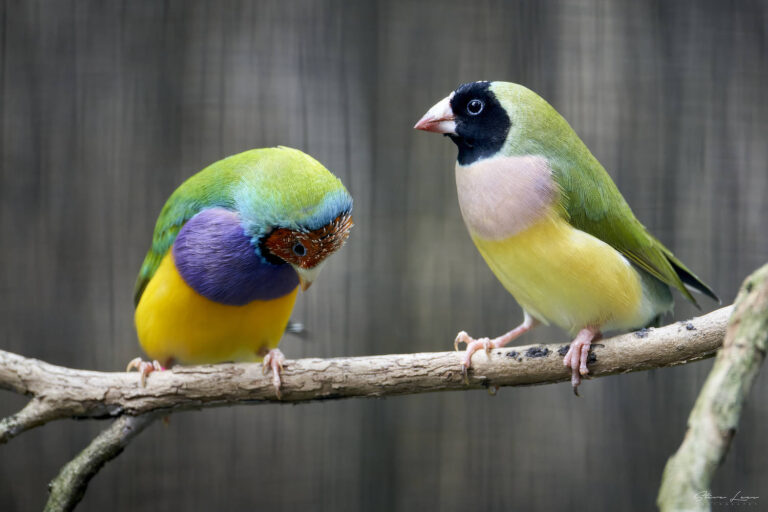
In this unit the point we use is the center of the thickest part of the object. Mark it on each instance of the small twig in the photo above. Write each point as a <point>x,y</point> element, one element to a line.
<point>68,488</point>
<point>715,416</point>
<point>37,412</point>
<point>63,392</point>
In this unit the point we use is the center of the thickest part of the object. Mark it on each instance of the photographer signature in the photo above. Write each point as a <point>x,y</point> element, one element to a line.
<point>737,498</point>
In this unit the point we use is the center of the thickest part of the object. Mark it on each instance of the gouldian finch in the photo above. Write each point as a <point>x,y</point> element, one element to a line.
<point>231,247</point>
<point>550,222</point>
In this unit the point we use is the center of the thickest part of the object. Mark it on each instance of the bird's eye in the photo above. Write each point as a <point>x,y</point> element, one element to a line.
<point>299,249</point>
<point>474,107</point>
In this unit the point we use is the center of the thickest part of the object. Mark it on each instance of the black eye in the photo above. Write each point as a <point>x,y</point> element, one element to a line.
<point>299,249</point>
<point>474,107</point>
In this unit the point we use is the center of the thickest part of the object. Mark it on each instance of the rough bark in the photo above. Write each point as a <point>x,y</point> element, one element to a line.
<point>60,392</point>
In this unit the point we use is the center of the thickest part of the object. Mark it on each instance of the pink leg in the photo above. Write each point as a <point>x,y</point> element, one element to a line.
<point>274,360</point>
<point>578,355</point>
<point>473,345</point>
<point>144,368</point>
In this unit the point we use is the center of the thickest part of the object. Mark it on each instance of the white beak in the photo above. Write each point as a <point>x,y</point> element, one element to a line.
<point>439,118</point>
<point>307,275</point>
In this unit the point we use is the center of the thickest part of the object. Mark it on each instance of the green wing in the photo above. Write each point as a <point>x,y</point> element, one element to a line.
<point>594,205</point>
<point>208,188</point>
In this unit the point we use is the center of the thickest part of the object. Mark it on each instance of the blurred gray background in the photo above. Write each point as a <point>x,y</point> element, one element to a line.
<point>107,106</point>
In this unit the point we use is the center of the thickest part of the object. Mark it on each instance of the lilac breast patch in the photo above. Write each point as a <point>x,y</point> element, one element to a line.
<point>216,258</point>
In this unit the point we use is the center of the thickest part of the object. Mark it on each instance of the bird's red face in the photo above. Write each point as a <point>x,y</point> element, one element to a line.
<point>307,250</point>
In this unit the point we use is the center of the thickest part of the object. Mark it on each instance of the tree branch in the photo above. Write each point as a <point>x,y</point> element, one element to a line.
<point>59,392</point>
<point>713,420</point>
<point>63,392</point>
<point>68,488</point>
<point>37,412</point>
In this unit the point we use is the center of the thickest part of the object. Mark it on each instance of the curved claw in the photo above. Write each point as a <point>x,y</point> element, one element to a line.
<point>144,368</point>
<point>462,337</point>
<point>133,363</point>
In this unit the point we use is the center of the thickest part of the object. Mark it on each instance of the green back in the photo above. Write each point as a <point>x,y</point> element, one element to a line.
<point>589,199</point>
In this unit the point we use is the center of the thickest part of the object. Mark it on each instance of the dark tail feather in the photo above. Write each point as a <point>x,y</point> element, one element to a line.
<point>690,280</point>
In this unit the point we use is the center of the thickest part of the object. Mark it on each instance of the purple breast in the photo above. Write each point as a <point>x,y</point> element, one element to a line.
<point>216,258</point>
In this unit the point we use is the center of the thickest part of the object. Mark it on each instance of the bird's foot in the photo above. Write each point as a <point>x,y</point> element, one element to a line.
<point>577,356</point>
<point>487,344</point>
<point>473,345</point>
<point>274,360</point>
<point>144,368</point>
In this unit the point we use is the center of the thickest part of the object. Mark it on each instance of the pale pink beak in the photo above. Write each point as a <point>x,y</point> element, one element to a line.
<point>304,284</point>
<point>308,275</point>
<point>439,118</point>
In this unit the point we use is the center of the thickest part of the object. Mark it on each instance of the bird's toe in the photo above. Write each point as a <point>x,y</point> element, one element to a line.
<point>274,361</point>
<point>144,368</point>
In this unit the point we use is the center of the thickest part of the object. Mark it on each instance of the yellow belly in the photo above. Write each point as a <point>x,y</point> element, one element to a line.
<point>175,322</point>
<point>565,276</point>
